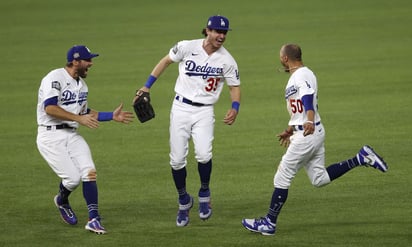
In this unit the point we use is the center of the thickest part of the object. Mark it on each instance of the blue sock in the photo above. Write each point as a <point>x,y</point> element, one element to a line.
<point>179,177</point>
<point>63,195</point>
<point>91,196</point>
<point>205,171</point>
<point>279,198</point>
<point>338,169</point>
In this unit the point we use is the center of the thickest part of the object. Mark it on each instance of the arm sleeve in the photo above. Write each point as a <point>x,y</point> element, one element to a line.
<point>307,101</point>
<point>50,101</point>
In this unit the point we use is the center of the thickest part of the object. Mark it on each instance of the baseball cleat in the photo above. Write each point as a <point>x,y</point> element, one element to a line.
<point>261,225</point>
<point>66,212</point>
<point>95,226</point>
<point>182,218</point>
<point>368,157</point>
<point>205,208</point>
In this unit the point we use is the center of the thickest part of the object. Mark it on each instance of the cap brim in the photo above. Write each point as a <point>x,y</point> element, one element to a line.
<point>224,29</point>
<point>92,55</point>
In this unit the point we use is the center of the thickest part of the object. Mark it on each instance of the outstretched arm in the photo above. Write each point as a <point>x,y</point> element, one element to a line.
<point>88,120</point>
<point>117,115</point>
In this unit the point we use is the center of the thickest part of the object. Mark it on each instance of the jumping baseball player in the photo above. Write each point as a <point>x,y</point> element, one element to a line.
<point>204,66</point>
<point>304,139</point>
<point>61,108</point>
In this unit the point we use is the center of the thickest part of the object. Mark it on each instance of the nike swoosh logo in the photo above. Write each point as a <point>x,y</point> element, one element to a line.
<point>194,54</point>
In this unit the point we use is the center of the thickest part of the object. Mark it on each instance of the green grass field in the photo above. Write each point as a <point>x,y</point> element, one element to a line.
<point>359,50</point>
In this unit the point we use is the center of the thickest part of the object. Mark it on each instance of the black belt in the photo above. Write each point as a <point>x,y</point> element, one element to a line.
<point>300,127</point>
<point>188,101</point>
<point>60,126</point>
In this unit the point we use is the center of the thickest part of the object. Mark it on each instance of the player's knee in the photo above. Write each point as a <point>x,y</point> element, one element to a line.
<point>281,182</point>
<point>177,165</point>
<point>72,183</point>
<point>283,177</point>
<point>203,159</point>
<point>320,181</point>
<point>319,177</point>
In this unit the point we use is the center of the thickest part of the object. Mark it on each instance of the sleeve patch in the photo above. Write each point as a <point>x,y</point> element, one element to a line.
<point>175,49</point>
<point>56,85</point>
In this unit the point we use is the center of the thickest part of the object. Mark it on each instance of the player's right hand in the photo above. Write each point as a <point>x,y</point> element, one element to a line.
<point>122,116</point>
<point>88,120</point>
<point>284,138</point>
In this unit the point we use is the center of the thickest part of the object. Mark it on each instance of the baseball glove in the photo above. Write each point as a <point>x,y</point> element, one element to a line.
<point>142,107</point>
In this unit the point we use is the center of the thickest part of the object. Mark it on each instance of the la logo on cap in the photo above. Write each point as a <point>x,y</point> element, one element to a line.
<point>222,22</point>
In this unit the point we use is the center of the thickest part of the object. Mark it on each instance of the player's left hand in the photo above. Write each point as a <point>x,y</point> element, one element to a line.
<point>230,117</point>
<point>144,89</point>
<point>122,116</point>
<point>308,128</point>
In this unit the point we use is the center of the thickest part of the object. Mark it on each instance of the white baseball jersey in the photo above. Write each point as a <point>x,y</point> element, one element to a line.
<point>303,151</point>
<point>71,95</point>
<point>66,152</point>
<point>201,76</point>
<point>301,82</point>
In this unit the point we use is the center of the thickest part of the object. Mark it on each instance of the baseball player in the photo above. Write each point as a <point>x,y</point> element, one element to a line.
<point>61,108</point>
<point>204,66</point>
<point>304,139</point>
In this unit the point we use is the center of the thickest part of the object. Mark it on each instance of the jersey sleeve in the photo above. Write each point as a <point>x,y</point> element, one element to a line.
<point>177,52</point>
<point>231,73</point>
<point>304,86</point>
<point>51,87</point>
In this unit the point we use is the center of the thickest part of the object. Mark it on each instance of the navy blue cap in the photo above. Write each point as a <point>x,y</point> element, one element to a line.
<point>218,22</point>
<point>80,52</point>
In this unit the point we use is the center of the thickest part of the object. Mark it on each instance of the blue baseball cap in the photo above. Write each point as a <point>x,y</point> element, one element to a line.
<point>80,52</point>
<point>218,22</point>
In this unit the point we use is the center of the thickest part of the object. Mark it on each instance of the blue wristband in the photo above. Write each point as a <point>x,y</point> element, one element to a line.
<point>104,116</point>
<point>235,105</point>
<point>150,81</point>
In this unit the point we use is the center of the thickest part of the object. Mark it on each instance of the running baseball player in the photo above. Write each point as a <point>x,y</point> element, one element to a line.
<point>204,66</point>
<point>61,108</point>
<point>304,139</point>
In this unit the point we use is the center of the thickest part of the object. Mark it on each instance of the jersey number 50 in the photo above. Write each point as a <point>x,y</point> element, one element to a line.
<point>296,105</point>
<point>212,84</point>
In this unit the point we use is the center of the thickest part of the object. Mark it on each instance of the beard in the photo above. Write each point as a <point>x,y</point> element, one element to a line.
<point>82,72</point>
